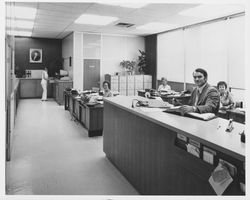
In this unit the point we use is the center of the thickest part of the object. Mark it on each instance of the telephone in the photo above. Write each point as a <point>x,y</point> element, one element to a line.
<point>139,103</point>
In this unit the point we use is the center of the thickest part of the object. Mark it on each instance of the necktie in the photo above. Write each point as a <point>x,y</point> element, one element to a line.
<point>197,97</point>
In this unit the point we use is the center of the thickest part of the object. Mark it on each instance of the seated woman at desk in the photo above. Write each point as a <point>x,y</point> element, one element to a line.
<point>106,89</point>
<point>164,87</point>
<point>226,99</point>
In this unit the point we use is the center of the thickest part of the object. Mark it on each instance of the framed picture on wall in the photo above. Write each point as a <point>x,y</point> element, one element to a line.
<point>36,55</point>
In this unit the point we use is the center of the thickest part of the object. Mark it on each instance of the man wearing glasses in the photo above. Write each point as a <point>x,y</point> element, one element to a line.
<point>204,98</point>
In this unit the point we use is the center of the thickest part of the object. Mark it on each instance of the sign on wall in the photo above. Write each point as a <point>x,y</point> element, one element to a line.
<point>36,55</point>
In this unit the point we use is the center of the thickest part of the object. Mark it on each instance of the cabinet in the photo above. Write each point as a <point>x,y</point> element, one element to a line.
<point>128,85</point>
<point>31,88</point>
<point>60,86</point>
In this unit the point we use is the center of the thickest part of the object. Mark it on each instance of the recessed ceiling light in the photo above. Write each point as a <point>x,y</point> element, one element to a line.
<point>156,26</point>
<point>212,10</point>
<point>22,12</point>
<point>21,24</point>
<point>128,5</point>
<point>21,33</point>
<point>95,19</point>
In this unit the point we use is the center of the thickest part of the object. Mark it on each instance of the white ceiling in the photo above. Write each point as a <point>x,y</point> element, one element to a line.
<point>56,20</point>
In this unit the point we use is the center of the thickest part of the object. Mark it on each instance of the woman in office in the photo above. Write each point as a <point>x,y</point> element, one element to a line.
<point>106,89</point>
<point>164,87</point>
<point>44,83</point>
<point>226,99</point>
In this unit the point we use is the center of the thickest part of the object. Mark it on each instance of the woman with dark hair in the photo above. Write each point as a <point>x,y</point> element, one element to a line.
<point>106,89</point>
<point>226,99</point>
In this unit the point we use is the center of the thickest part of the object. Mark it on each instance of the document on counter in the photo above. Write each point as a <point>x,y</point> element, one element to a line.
<point>220,179</point>
<point>146,109</point>
<point>203,116</point>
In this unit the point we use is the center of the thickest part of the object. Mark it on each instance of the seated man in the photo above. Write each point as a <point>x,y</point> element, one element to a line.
<point>204,98</point>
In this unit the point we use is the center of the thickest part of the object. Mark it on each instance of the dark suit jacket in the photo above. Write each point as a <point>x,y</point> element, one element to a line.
<point>209,100</point>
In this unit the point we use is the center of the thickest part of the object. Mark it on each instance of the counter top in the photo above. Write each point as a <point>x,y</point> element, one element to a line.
<point>211,133</point>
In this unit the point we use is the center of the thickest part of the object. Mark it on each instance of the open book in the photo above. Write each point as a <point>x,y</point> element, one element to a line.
<point>203,116</point>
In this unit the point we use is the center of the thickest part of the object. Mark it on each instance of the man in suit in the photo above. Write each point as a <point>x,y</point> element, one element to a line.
<point>204,98</point>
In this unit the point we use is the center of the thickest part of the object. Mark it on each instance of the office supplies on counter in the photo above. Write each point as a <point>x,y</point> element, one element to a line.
<point>230,126</point>
<point>203,116</point>
<point>242,137</point>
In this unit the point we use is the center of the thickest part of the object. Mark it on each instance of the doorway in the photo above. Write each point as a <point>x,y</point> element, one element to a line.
<point>91,73</point>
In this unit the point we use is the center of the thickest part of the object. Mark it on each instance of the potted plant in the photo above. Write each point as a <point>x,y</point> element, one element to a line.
<point>142,62</point>
<point>129,66</point>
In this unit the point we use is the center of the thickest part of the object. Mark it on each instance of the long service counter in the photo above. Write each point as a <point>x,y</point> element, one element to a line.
<point>143,145</point>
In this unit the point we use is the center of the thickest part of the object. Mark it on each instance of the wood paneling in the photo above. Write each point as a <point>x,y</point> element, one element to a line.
<point>51,54</point>
<point>151,57</point>
<point>146,154</point>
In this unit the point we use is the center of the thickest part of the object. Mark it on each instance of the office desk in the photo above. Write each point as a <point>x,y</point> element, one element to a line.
<point>234,114</point>
<point>142,145</point>
<point>90,116</point>
<point>183,99</point>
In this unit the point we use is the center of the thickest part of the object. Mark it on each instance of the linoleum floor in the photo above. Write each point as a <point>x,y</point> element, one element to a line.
<point>53,155</point>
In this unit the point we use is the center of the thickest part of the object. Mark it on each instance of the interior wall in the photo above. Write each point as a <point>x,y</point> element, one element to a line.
<point>117,48</point>
<point>67,54</point>
<point>51,54</point>
<point>78,61</point>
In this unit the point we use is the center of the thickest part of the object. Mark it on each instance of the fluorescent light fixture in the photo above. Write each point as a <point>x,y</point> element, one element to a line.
<point>21,33</point>
<point>21,24</point>
<point>156,26</point>
<point>95,19</point>
<point>212,10</point>
<point>128,5</point>
<point>22,12</point>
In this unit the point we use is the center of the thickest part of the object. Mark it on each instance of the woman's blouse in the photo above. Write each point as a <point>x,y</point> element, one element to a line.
<point>164,88</point>
<point>226,99</point>
<point>107,93</point>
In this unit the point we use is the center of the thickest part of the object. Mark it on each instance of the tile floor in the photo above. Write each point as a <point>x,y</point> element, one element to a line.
<point>53,155</point>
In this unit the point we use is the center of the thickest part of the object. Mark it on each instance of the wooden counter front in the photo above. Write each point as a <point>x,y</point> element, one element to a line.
<point>142,145</point>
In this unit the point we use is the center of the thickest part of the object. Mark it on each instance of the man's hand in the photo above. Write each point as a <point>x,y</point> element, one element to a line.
<point>186,109</point>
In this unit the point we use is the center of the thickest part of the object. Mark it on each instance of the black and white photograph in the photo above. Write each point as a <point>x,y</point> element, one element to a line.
<point>36,55</point>
<point>125,99</point>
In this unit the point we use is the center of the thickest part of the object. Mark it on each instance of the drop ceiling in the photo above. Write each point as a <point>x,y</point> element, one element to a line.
<point>56,20</point>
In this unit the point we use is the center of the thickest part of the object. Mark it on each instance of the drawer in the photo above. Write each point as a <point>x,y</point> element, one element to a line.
<point>114,87</point>
<point>123,92</point>
<point>131,86</point>
<point>139,85</point>
<point>131,92</point>
<point>123,86</point>
<point>147,86</point>
<point>138,78</point>
<point>131,79</point>
<point>123,79</point>
<point>147,78</point>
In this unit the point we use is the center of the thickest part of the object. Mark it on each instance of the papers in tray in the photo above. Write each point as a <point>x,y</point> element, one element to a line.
<point>203,116</point>
<point>158,104</point>
<point>220,179</point>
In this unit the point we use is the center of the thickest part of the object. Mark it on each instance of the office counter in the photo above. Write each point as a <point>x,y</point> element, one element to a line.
<point>143,146</point>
